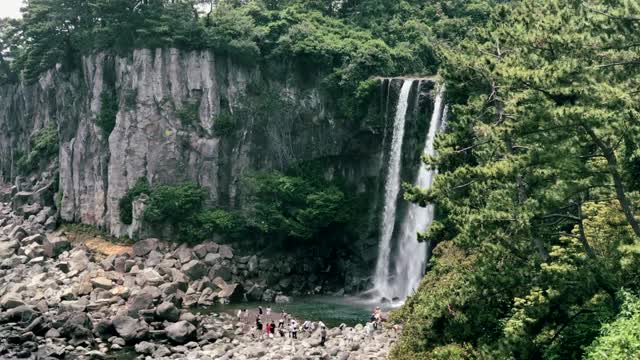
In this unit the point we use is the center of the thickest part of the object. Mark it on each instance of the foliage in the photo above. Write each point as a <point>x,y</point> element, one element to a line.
<point>224,124</point>
<point>189,113</point>
<point>44,146</point>
<point>126,202</point>
<point>535,184</point>
<point>619,339</point>
<point>108,112</point>
<point>172,204</point>
<point>289,206</point>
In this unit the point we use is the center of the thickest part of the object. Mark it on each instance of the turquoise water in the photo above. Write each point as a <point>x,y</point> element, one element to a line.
<point>331,310</point>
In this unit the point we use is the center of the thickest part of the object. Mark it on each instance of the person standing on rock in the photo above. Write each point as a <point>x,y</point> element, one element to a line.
<point>268,310</point>
<point>239,313</point>
<point>281,323</point>
<point>260,310</point>
<point>323,335</point>
<point>272,329</point>
<point>259,326</point>
<point>294,329</point>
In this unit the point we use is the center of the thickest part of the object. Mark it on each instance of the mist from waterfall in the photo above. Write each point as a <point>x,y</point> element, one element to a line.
<point>398,273</point>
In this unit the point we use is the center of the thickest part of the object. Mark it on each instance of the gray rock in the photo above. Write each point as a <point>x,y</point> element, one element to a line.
<point>137,302</point>
<point>11,300</point>
<point>282,299</point>
<point>195,269</point>
<point>102,283</point>
<point>18,233</point>
<point>149,277</point>
<point>129,328</point>
<point>268,295</point>
<point>212,259</point>
<point>8,248</point>
<point>37,239</point>
<point>145,347</point>
<point>167,311</point>
<point>55,245</point>
<point>52,334</point>
<point>255,292</point>
<point>225,251</point>
<point>144,247</point>
<point>181,332</point>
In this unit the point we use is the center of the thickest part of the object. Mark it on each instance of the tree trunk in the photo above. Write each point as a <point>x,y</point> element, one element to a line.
<point>612,165</point>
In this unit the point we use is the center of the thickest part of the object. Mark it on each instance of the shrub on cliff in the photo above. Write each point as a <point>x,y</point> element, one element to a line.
<point>44,146</point>
<point>126,202</point>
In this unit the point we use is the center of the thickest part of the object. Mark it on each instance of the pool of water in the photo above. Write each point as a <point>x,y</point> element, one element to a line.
<point>331,310</point>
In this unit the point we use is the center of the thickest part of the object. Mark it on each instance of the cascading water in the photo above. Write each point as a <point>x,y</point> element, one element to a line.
<point>399,275</point>
<point>391,189</point>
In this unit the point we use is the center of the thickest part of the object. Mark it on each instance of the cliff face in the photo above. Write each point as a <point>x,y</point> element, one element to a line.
<point>170,104</point>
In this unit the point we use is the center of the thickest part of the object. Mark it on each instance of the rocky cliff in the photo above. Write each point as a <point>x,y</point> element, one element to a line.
<point>173,125</point>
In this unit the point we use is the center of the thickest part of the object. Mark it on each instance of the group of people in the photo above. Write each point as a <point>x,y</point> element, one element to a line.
<point>269,329</point>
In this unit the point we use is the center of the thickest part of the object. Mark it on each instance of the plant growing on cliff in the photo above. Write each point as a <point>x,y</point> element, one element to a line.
<point>224,124</point>
<point>125,204</point>
<point>44,146</point>
<point>189,113</point>
<point>108,111</point>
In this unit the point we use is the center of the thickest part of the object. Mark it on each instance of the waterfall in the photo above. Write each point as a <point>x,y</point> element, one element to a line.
<point>399,275</point>
<point>391,190</point>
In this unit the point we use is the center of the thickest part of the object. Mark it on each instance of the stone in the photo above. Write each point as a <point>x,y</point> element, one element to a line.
<point>253,264</point>
<point>144,247</point>
<point>102,283</point>
<point>255,292</point>
<point>55,245</point>
<point>268,295</point>
<point>33,239</point>
<point>137,302</point>
<point>77,327</point>
<point>11,300</point>
<point>167,311</point>
<point>129,328</point>
<point>282,299</point>
<point>201,250</point>
<point>8,248</point>
<point>145,347</point>
<point>149,277</point>
<point>195,269</point>
<point>184,254</point>
<point>121,291</point>
<point>225,251</point>
<point>18,233</point>
<point>212,259</point>
<point>231,292</point>
<point>22,314</point>
<point>222,270</point>
<point>181,332</point>
<point>52,334</point>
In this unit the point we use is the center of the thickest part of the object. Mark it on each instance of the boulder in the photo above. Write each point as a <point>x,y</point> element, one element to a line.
<point>255,292</point>
<point>29,209</point>
<point>282,299</point>
<point>195,269</point>
<point>139,301</point>
<point>149,277</point>
<point>22,314</point>
<point>231,292</point>
<point>37,239</point>
<point>8,248</point>
<point>184,254</point>
<point>145,347</point>
<point>268,295</point>
<point>102,283</point>
<point>181,332</point>
<point>222,270</point>
<point>11,300</point>
<point>55,245</point>
<point>144,247</point>
<point>167,311</point>
<point>77,327</point>
<point>129,328</point>
<point>225,251</point>
<point>212,259</point>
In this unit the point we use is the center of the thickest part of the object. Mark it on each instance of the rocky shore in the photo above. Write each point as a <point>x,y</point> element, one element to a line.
<point>59,299</point>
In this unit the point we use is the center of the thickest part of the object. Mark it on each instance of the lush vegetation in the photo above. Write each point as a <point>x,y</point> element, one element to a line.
<point>537,190</point>
<point>44,146</point>
<point>279,207</point>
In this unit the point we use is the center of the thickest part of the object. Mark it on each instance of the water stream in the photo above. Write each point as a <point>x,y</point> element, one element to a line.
<point>401,258</point>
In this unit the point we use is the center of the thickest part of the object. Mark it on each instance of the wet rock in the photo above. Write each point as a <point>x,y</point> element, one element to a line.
<point>282,299</point>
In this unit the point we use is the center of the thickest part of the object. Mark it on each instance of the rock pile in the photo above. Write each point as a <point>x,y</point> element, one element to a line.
<point>61,300</point>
